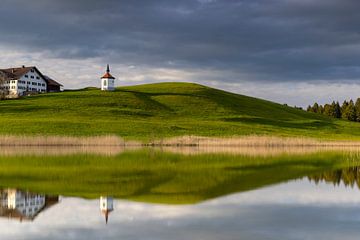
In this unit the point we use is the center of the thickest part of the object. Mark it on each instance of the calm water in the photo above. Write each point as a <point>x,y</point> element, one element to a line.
<point>318,199</point>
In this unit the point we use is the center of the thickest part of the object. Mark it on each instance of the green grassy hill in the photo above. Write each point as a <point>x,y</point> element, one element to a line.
<point>163,110</point>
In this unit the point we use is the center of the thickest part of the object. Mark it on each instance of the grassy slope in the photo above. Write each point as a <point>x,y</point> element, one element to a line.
<point>163,110</point>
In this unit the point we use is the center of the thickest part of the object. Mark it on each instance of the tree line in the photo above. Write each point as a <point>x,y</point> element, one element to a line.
<point>348,110</point>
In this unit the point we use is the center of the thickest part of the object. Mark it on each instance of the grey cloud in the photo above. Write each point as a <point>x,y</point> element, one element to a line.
<point>275,40</point>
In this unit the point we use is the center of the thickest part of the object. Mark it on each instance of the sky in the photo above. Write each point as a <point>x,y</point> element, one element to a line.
<point>288,51</point>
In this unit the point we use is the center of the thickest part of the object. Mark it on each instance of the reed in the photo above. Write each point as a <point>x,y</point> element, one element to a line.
<point>9,140</point>
<point>31,151</point>
<point>251,140</point>
<point>258,151</point>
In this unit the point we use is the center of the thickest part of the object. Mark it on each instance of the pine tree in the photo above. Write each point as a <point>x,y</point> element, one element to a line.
<point>309,109</point>
<point>327,110</point>
<point>357,109</point>
<point>315,108</point>
<point>344,109</point>
<point>337,110</point>
<point>350,111</point>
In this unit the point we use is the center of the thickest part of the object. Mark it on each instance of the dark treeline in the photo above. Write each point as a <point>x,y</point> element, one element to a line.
<point>349,176</point>
<point>348,110</point>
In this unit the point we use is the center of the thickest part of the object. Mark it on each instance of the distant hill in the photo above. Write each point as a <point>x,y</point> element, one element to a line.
<point>160,110</point>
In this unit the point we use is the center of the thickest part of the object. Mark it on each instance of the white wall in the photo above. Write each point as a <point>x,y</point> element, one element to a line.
<point>107,84</point>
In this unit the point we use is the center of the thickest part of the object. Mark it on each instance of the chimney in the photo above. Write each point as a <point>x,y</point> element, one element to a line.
<point>13,70</point>
<point>23,66</point>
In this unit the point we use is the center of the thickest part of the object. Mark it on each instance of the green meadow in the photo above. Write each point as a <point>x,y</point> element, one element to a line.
<point>163,110</point>
<point>150,175</point>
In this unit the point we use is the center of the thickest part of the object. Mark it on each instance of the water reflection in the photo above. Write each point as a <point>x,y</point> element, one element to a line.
<point>106,206</point>
<point>294,210</point>
<point>21,205</point>
<point>26,206</point>
<point>348,176</point>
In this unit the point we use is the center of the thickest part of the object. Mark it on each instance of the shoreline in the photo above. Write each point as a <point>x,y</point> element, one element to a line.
<point>252,146</point>
<point>183,141</point>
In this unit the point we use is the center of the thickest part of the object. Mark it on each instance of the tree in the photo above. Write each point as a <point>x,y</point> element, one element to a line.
<point>344,109</point>
<point>328,110</point>
<point>350,112</point>
<point>3,91</point>
<point>337,110</point>
<point>308,109</point>
<point>315,108</point>
<point>357,109</point>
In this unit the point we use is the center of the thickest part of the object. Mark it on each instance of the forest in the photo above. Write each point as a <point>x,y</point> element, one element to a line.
<point>348,110</point>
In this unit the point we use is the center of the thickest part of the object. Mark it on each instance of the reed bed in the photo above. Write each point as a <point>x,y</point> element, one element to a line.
<point>257,151</point>
<point>9,140</point>
<point>64,150</point>
<point>252,140</point>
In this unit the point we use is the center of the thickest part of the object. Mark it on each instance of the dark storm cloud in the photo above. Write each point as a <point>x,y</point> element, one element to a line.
<point>274,40</point>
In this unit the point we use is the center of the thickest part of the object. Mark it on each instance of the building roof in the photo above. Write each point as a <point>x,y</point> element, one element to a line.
<point>16,214</point>
<point>52,82</point>
<point>108,75</point>
<point>17,73</point>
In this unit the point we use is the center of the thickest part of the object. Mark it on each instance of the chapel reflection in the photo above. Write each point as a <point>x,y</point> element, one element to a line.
<point>106,206</point>
<point>23,205</point>
<point>348,176</point>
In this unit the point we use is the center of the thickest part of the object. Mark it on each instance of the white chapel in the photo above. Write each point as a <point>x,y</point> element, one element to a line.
<point>107,81</point>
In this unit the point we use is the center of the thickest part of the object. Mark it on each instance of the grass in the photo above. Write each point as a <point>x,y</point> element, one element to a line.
<point>163,110</point>
<point>154,176</point>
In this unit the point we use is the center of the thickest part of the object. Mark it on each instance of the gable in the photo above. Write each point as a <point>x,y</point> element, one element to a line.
<point>17,73</point>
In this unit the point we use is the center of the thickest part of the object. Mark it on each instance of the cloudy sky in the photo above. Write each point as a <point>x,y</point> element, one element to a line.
<point>284,50</point>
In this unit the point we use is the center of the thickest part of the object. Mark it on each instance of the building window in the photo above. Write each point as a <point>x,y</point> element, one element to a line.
<point>104,83</point>
<point>32,70</point>
<point>37,78</point>
<point>32,77</point>
<point>27,76</point>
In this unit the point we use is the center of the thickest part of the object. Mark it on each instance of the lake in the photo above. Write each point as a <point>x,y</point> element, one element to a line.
<point>179,193</point>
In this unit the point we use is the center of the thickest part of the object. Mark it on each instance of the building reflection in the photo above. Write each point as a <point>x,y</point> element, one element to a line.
<point>106,206</point>
<point>22,205</point>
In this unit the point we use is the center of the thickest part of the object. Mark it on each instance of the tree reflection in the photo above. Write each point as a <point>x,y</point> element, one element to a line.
<point>348,176</point>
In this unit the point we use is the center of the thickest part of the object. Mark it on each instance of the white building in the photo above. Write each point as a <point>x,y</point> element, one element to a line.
<point>19,81</point>
<point>107,81</point>
<point>106,206</point>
